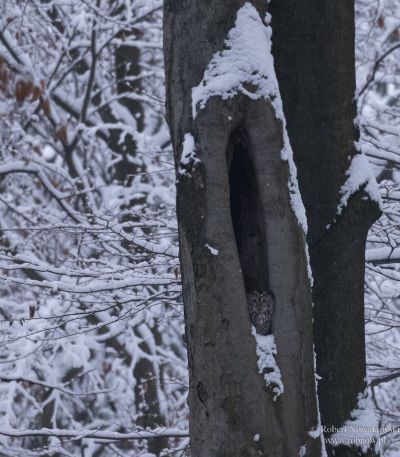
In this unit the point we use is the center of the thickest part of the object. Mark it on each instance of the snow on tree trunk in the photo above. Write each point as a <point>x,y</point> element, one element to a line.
<point>240,224</point>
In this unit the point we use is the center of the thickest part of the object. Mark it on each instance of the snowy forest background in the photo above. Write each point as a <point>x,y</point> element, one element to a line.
<point>92,353</point>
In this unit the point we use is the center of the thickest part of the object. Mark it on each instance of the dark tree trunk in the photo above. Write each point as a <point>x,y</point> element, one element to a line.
<point>237,232</point>
<point>127,70</point>
<point>147,392</point>
<point>313,47</point>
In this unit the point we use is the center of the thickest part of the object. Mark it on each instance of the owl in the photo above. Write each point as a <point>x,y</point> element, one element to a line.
<point>261,306</point>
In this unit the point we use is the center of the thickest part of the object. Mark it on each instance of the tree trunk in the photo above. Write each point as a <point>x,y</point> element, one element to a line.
<point>313,48</point>
<point>238,232</point>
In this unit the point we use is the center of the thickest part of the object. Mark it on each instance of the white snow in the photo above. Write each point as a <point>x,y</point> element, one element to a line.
<point>315,433</point>
<point>359,174</point>
<point>302,451</point>
<point>212,250</point>
<point>318,432</point>
<point>362,430</point>
<point>246,66</point>
<point>293,185</point>
<point>266,352</point>
<point>309,269</point>
<point>188,157</point>
<point>385,253</point>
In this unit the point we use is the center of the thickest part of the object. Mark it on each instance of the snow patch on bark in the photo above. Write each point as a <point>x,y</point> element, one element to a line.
<point>303,451</point>
<point>318,431</point>
<point>293,185</point>
<point>362,430</point>
<point>309,269</point>
<point>189,157</point>
<point>246,66</point>
<point>212,250</point>
<point>266,352</point>
<point>360,176</point>
<point>315,433</point>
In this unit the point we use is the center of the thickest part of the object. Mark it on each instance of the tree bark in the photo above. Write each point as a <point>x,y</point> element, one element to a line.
<point>313,48</point>
<point>237,141</point>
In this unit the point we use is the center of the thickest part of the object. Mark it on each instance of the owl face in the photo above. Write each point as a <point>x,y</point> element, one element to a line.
<point>261,307</point>
<point>259,296</point>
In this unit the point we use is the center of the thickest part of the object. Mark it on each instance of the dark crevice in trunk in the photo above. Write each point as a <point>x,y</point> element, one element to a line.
<point>246,212</point>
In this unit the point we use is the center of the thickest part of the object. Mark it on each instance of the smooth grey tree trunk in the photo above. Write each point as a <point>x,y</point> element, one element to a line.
<point>259,244</point>
<point>313,48</point>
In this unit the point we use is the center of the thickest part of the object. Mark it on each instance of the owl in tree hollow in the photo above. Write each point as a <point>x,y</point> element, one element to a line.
<point>261,306</point>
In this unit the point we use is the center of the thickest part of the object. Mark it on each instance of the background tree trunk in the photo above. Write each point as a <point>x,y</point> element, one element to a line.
<point>229,402</point>
<point>313,48</point>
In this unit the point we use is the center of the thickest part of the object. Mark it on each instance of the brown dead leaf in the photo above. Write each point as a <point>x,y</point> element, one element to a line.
<point>46,107</point>
<point>23,89</point>
<point>62,134</point>
<point>36,93</point>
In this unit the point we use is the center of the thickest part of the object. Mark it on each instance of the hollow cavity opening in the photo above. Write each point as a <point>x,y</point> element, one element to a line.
<point>246,212</point>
